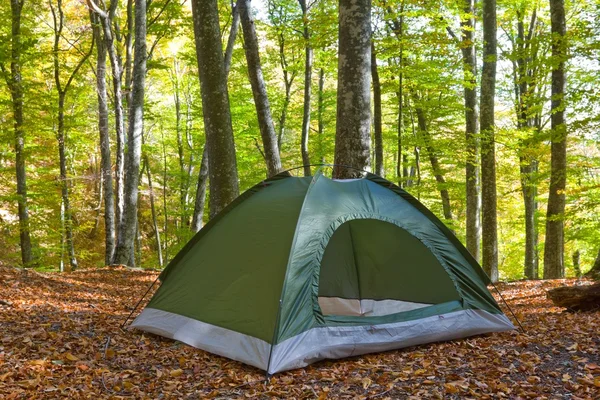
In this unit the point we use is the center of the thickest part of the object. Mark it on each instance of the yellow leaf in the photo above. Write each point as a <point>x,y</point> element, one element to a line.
<point>366,383</point>
<point>110,353</point>
<point>182,362</point>
<point>71,357</point>
<point>420,372</point>
<point>451,388</point>
<point>597,381</point>
<point>574,347</point>
<point>4,376</point>
<point>127,385</point>
<point>566,377</point>
<point>37,362</point>
<point>176,372</point>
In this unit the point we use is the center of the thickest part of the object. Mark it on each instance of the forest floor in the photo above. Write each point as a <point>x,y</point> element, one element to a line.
<point>53,330</point>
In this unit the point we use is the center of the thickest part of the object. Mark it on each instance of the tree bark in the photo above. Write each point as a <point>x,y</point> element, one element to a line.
<point>353,121</point>
<point>235,24</point>
<point>594,273</point>
<point>308,60</point>
<point>259,90</point>
<point>127,227</point>
<point>215,105</point>
<point>16,91</point>
<point>576,298</point>
<point>288,80</point>
<point>320,110</point>
<point>105,157</point>
<point>377,118</point>
<point>554,266</point>
<point>435,164</point>
<point>488,150</point>
<point>471,129</point>
<point>200,192</point>
<point>153,211</point>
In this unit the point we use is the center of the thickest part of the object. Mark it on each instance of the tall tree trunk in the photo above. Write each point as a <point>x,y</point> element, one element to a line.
<point>554,266</point>
<point>200,192</point>
<point>58,24</point>
<point>128,67</point>
<point>180,149</point>
<point>153,211</point>
<point>320,109</point>
<point>308,60</point>
<point>107,18</point>
<point>401,157</point>
<point>288,80</point>
<point>215,105</point>
<point>259,90</point>
<point>377,118</point>
<point>471,128</point>
<point>435,164</point>
<point>105,158</point>
<point>235,24</point>
<point>353,122</point>
<point>16,91</point>
<point>488,145</point>
<point>127,229</point>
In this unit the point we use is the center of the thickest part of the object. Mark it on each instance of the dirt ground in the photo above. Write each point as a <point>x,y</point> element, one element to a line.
<point>54,329</point>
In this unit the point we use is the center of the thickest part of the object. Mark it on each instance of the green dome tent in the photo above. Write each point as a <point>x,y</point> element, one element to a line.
<point>300,269</point>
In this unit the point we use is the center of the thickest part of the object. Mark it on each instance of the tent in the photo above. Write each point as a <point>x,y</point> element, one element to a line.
<point>300,269</point>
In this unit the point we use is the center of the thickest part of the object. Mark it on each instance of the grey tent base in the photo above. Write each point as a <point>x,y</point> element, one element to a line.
<point>322,342</point>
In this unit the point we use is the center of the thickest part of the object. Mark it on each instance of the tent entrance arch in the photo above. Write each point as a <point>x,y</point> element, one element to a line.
<point>373,267</point>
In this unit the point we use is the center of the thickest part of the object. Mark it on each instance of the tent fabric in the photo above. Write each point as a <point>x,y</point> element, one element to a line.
<point>300,269</point>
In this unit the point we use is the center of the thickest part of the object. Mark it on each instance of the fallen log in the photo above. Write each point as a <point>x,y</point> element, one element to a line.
<point>576,298</point>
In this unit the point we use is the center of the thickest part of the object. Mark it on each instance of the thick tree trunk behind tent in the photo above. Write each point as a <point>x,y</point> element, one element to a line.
<point>16,91</point>
<point>259,90</point>
<point>127,229</point>
<point>105,158</point>
<point>435,164</point>
<point>554,265</point>
<point>471,129</point>
<point>215,105</point>
<point>308,60</point>
<point>488,144</point>
<point>377,118</point>
<point>353,122</point>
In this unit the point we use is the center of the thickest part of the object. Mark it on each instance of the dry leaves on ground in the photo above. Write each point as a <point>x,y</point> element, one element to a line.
<point>54,328</point>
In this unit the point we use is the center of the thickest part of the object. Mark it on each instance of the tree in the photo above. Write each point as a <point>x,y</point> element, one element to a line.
<point>308,61</point>
<point>61,134</point>
<point>103,129</point>
<point>259,90</point>
<point>471,127</point>
<point>377,118</point>
<point>554,266</point>
<point>222,164</point>
<point>353,121</point>
<point>15,84</point>
<point>488,150</point>
<point>107,18</point>
<point>127,226</point>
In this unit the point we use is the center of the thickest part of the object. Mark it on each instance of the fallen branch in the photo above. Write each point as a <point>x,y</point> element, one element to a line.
<point>576,298</point>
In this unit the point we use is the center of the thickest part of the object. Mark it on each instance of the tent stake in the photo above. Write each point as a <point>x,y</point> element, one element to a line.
<point>507,306</point>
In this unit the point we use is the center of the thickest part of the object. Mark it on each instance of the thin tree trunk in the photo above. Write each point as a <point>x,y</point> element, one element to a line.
<point>259,90</point>
<point>435,164</point>
<point>554,266</point>
<point>153,211</point>
<point>288,80</point>
<point>200,202</point>
<point>116,72</point>
<point>488,151</point>
<point>16,91</point>
<point>129,52</point>
<point>215,105</point>
<point>180,149</point>
<point>105,157</point>
<point>471,129</point>
<point>164,196</point>
<point>308,61</point>
<point>377,118</point>
<point>320,109</point>
<point>401,157</point>
<point>127,229</point>
<point>58,24</point>
<point>235,16</point>
<point>353,122</point>
<point>594,273</point>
